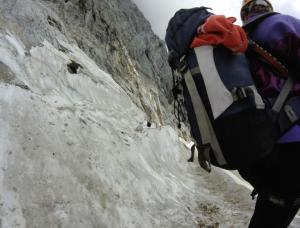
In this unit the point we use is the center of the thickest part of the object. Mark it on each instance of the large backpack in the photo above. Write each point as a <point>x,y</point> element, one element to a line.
<point>231,124</point>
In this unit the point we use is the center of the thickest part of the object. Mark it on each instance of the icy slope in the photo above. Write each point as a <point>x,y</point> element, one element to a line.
<point>74,152</point>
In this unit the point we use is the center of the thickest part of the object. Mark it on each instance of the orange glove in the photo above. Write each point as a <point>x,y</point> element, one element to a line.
<point>218,29</point>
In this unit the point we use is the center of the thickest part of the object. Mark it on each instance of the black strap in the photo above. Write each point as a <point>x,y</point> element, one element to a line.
<point>283,95</point>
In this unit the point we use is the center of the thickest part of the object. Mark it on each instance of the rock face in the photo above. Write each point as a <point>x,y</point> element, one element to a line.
<point>78,82</point>
<point>112,32</point>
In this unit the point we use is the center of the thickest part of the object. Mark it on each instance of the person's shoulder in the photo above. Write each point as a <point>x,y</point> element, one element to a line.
<point>282,17</point>
<point>281,23</point>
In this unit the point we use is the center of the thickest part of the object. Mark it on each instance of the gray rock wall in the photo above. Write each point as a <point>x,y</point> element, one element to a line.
<point>113,33</point>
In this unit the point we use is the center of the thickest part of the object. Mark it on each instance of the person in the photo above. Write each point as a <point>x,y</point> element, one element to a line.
<point>276,178</point>
<point>244,138</point>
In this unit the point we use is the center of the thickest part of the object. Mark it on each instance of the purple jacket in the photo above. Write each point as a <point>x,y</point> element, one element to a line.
<point>280,35</point>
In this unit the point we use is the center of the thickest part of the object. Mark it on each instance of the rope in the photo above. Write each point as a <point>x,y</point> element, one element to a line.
<point>269,58</point>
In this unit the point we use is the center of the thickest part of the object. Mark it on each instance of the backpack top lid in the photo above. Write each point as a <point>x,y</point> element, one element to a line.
<point>181,30</point>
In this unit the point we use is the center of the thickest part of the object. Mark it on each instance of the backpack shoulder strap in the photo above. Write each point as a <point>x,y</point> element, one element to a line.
<point>277,66</point>
<point>284,93</point>
<point>272,61</point>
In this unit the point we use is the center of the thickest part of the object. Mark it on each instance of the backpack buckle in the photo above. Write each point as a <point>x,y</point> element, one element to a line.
<point>291,114</point>
<point>182,65</point>
<point>241,93</point>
